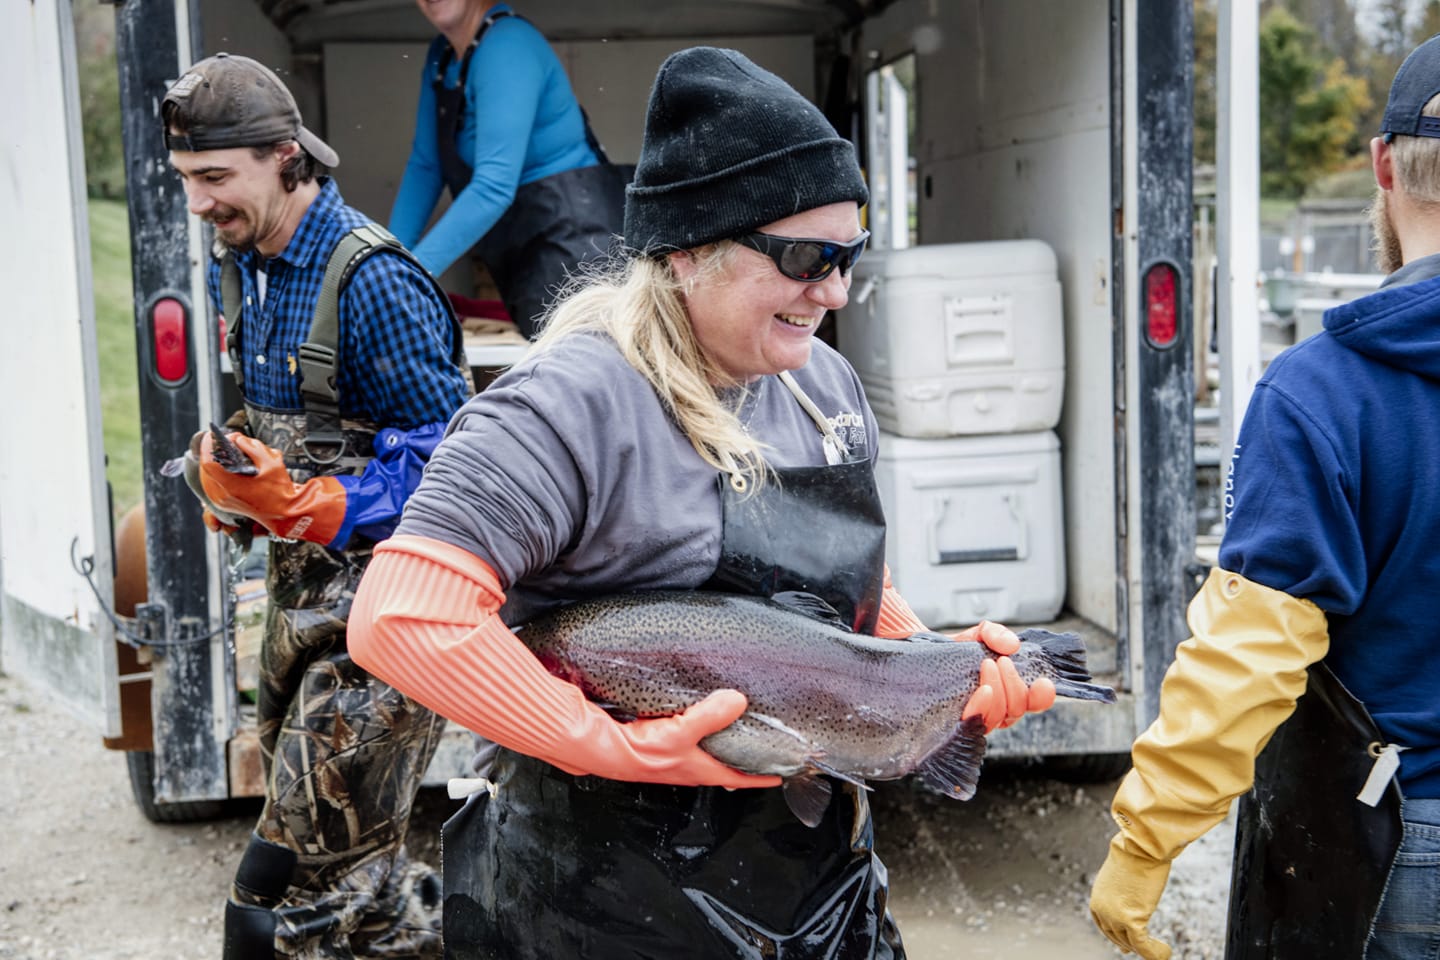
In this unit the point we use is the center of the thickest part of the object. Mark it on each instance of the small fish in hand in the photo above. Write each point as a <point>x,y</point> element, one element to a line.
<point>233,460</point>
<point>226,453</point>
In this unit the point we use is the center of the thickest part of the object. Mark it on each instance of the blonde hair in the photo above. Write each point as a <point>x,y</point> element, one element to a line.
<point>640,304</point>
<point>1417,160</point>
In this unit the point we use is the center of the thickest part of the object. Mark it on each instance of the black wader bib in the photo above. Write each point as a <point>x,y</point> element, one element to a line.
<point>551,226</point>
<point>1311,860</point>
<point>583,867</point>
<point>326,874</point>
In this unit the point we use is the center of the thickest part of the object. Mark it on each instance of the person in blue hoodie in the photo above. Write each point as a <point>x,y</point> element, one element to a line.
<point>1309,684</point>
<point>534,195</point>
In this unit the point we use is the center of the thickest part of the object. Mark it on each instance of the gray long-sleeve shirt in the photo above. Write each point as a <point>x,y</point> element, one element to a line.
<point>569,479</point>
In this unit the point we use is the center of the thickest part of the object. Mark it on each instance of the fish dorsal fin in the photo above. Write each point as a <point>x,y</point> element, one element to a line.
<point>811,606</point>
<point>807,796</point>
<point>954,768</point>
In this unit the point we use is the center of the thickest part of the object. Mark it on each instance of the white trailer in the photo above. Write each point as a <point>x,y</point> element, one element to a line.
<point>1066,122</point>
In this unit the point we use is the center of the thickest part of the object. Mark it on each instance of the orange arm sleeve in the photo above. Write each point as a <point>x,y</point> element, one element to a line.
<point>425,620</point>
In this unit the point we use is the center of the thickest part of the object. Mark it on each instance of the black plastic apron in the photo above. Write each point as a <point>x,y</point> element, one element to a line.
<point>1311,861</point>
<point>560,866</point>
<point>551,226</point>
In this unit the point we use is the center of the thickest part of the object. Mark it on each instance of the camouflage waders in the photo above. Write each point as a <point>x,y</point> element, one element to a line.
<point>326,874</point>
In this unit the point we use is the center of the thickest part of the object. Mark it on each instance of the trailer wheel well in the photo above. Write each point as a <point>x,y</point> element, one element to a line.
<point>141,764</point>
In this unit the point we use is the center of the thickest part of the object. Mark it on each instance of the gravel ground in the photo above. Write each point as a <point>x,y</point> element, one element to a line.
<point>84,876</point>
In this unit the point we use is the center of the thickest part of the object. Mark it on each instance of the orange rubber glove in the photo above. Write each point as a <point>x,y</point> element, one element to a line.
<point>313,510</point>
<point>425,621</point>
<point>215,525</point>
<point>1002,697</point>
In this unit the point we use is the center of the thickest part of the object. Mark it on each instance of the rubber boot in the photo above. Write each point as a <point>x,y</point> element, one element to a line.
<point>260,885</point>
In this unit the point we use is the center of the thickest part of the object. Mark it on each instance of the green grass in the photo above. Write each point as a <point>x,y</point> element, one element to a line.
<point>115,339</point>
<point>1276,211</point>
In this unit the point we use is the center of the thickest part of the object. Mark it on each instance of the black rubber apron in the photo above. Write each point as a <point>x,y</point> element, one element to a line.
<point>560,866</point>
<point>551,226</point>
<point>1311,860</point>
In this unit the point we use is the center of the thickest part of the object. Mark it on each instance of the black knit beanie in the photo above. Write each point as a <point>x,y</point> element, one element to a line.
<point>730,147</point>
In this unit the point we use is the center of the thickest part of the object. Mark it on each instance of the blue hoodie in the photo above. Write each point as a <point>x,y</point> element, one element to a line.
<point>1336,500</point>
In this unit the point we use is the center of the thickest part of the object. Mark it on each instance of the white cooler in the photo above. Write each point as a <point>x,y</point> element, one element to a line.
<point>973,526</point>
<point>958,338</point>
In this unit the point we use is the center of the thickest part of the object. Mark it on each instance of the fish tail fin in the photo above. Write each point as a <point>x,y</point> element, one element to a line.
<point>954,768</point>
<point>1082,690</point>
<point>1065,653</point>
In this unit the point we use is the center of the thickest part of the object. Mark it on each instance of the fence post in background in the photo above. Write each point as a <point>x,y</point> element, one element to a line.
<point>1237,213</point>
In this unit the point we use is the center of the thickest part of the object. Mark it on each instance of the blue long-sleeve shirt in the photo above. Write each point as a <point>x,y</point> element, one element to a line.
<point>522,123</point>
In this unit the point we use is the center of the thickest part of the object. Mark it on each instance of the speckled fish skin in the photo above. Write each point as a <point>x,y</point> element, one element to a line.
<point>821,699</point>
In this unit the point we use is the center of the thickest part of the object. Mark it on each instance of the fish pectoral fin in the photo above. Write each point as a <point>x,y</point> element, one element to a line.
<point>824,767</point>
<point>807,796</point>
<point>617,713</point>
<point>954,768</point>
<point>811,606</point>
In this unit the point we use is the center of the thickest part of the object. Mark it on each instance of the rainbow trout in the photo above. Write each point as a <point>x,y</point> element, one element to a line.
<point>823,700</point>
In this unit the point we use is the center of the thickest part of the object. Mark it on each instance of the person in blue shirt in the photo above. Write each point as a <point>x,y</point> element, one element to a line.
<point>336,452</point>
<point>533,194</point>
<point>1309,684</point>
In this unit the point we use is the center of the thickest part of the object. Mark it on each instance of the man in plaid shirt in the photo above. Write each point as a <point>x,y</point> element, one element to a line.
<point>326,873</point>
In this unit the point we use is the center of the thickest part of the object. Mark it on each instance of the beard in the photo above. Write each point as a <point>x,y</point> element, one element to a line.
<point>1385,244</point>
<point>238,235</point>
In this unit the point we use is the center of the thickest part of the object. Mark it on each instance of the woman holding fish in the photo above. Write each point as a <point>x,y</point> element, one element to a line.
<point>675,427</point>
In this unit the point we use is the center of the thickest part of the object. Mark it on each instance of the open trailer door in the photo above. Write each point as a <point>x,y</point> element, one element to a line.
<point>54,511</point>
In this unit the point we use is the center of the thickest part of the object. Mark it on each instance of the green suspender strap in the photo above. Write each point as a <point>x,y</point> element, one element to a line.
<point>231,309</point>
<point>319,356</point>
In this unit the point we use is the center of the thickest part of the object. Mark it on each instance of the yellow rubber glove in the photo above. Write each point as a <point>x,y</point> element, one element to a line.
<point>1128,887</point>
<point>1232,684</point>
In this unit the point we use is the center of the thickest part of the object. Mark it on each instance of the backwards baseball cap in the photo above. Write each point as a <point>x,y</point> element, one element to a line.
<point>233,101</point>
<point>730,147</point>
<point>1417,80</point>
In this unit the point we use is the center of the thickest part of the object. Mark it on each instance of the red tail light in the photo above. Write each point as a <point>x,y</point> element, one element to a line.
<point>1162,319</point>
<point>167,331</point>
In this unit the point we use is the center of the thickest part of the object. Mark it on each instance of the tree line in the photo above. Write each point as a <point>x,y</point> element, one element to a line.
<point>1323,83</point>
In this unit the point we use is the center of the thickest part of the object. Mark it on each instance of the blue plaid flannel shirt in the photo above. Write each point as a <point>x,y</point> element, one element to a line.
<point>395,336</point>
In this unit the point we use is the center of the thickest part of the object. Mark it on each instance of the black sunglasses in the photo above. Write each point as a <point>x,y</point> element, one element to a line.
<point>805,259</point>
